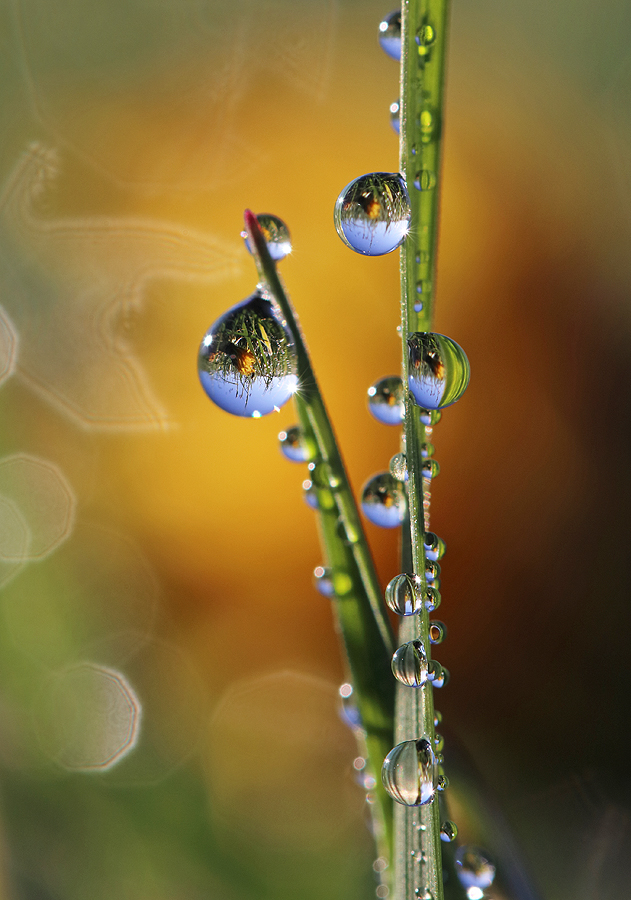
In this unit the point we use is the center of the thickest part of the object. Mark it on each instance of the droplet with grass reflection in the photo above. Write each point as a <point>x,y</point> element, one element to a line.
<point>276,236</point>
<point>372,214</point>
<point>409,773</point>
<point>404,594</point>
<point>383,501</point>
<point>434,546</point>
<point>409,664</point>
<point>448,831</point>
<point>247,360</point>
<point>438,370</point>
<point>390,34</point>
<point>386,401</point>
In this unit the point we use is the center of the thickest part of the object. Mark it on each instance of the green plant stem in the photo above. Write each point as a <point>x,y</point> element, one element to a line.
<point>423,46</point>
<point>360,613</point>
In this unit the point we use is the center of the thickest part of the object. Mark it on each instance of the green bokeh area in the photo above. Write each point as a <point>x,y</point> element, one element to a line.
<point>168,675</point>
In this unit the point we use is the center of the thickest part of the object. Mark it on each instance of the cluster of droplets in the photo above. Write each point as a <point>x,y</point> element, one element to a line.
<point>247,359</point>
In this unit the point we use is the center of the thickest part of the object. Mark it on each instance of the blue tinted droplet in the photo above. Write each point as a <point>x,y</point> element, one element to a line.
<point>384,502</point>
<point>438,370</point>
<point>390,34</point>
<point>372,214</point>
<point>386,401</point>
<point>276,236</point>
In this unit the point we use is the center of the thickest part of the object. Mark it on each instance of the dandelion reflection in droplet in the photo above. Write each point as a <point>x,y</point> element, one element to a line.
<point>384,502</point>
<point>372,214</point>
<point>386,401</point>
<point>247,360</point>
<point>276,236</point>
<point>438,370</point>
<point>404,595</point>
<point>292,444</point>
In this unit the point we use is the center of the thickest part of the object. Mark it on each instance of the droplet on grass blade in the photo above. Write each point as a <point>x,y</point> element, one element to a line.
<point>409,773</point>
<point>395,109</point>
<point>292,444</point>
<point>434,546</point>
<point>404,595</point>
<point>474,867</point>
<point>390,34</point>
<point>372,214</point>
<point>276,236</point>
<point>448,831</point>
<point>247,360</point>
<point>409,664</point>
<point>323,580</point>
<point>383,501</point>
<point>438,370</point>
<point>386,401</point>
<point>399,467</point>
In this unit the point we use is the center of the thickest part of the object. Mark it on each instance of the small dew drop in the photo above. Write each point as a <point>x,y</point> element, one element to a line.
<point>395,109</point>
<point>386,401</point>
<point>404,596</point>
<point>292,444</point>
<point>384,502</point>
<point>432,599</point>
<point>390,34</point>
<point>372,214</point>
<point>434,546</point>
<point>349,712</point>
<point>428,126</point>
<point>418,307</point>
<point>437,674</point>
<point>427,449</point>
<point>323,581</point>
<point>323,475</point>
<point>425,180</point>
<point>474,867</point>
<point>448,831</point>
<point>432,570</point>
<point>409,773</point>
<point>429,418</point>
<point>437,632</point>
<point>409,664</point>
<point>382,891</point>
<point>425,38</point>
<point>439,370</point>
<point>429,468</point>
<point>399,467</point>
<point>247,360</point>
<point>276,236</point>
<point>310,494</point>
<point>380,864</point>
<point>442,783</point>
<point>438,718</point>
<point>439,743</point>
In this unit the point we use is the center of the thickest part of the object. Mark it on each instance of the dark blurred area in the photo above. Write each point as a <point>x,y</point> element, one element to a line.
<point>168,674</point>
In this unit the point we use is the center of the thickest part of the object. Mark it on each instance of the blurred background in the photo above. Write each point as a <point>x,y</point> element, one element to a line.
<point>168,675</point>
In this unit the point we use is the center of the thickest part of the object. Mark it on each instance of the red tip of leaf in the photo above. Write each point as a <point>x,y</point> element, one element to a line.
<point>250,218</point>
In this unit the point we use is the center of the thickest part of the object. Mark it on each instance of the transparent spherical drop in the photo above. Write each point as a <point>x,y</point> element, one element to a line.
<point>438,718</point>
<point>395,109</point>
<point>349,713</point>
<point>432,599</point>
<point>310,494</point>
<point>474,867</point>
<point>439,370</point>
<point>372,214</point>
<point>399,467</point>
<point>429,418</point>
<point>247,360</point>
<point>323,475</point>
<point>323,581</point>
<point>386,401</point>
<point>427,449</point>
<point>437,632</point>
<point>409,773</point>
<point>383,501</point>
<point>276,236</point>
<point>434,546</point>
<point>404,595</point>
<point>390,34</point>
<point>292,444</point>
<point>430,468</point>
<point>439,743</point>
<point>409,664</point>
<point>437,674</point>
<point>448,831</point>
<point>432,570</point>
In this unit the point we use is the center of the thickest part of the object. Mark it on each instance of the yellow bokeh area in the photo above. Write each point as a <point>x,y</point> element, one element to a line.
<point>169,675</point>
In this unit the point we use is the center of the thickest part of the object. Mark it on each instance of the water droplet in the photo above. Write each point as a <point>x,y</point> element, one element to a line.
<point>474,867</point>
<point>399,467</point>
<point>382,891</point>
<point>439,370</point>
<point>323,580</point>
<point>390,34</point>
<point>404,596</point>
<point>432,570</point>
<point>425,180</point>
<point>425,38</point>
<point>386,401</point>
<point>383,501</point>
<point>439,743</point>
<point>429,126</point>
<point>247,360</point>
<point>434,546</point>
<point>429,418</point>
<point>430,468</point>
<point>442,783</point>
<point>448,831</point>
<point>323,476</point>
<point>437,632</point>
<point>372,214</point>
<point>292,444</point>
<point>409,664</point>
<point>409,773</point>
<point>438,718</point>
<point>276,236</point>
<point>310,494</point>
<point>349,713</point>
<point>395,109</point>
<point>418,307</point>
<point>437,674</point>
<point>426,449</point>
<point>432,599</point>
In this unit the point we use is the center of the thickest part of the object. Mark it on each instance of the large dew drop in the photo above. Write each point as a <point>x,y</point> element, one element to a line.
<point>439,370</point>
<point>390,34</point>
<point>372,214</point>
<point>383,501</point>
<point>276,236</point>
<point>247,360</point>
<point>386,401</point>
<point>409,664</point>
<point>409,773</point>
<point>474,867</point>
